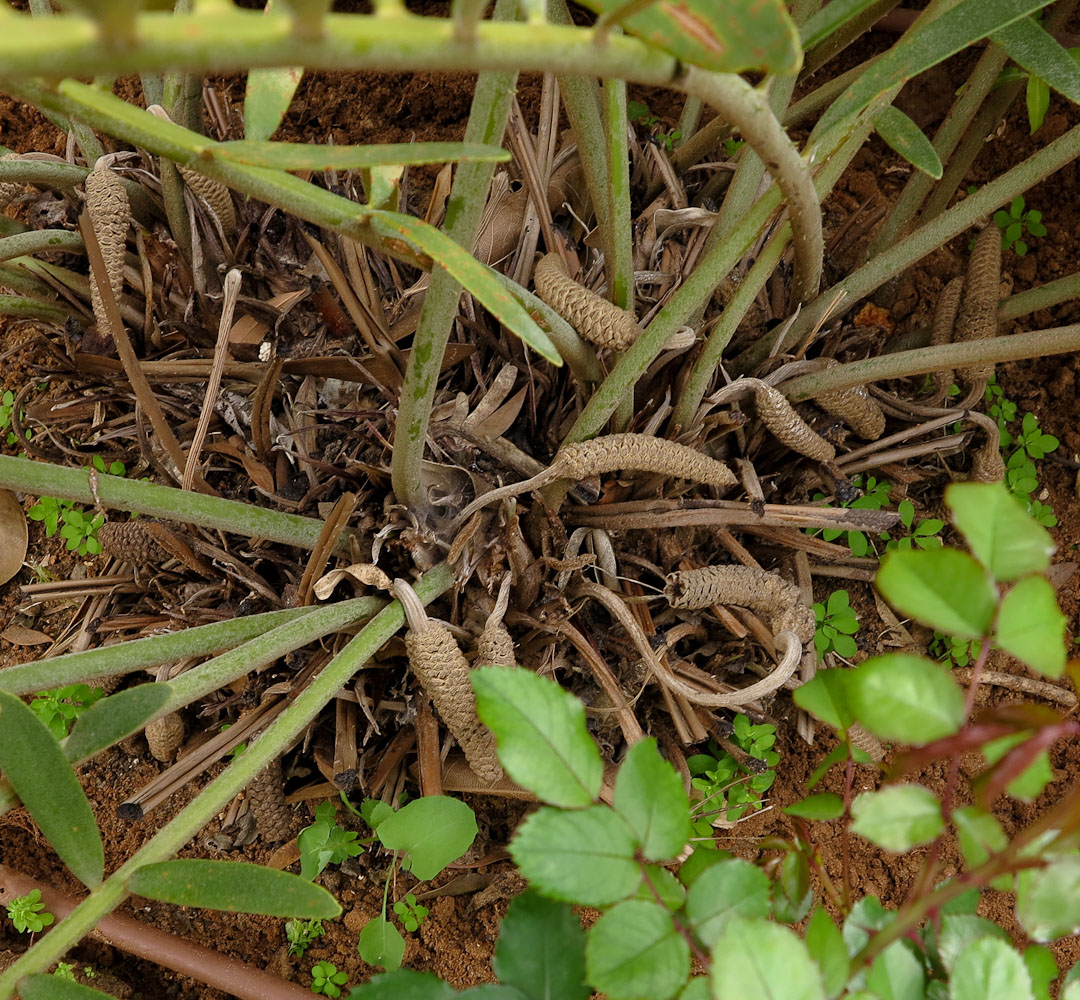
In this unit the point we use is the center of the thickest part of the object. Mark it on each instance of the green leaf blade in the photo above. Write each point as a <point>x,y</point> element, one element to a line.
<point>404,984</point>
<point>233,886</point>
<point>1048,900</point>
<point>540,731</point>
<point>34,763</point>
<point>989,969</point>
<point>724,892</point>
<point>826,947</point>
<point>41,987</point>
<point>1031,626</point>
<point>434,831</point>
<point>897,817</point>
<point>541,949</point>
<point>821,807</point>
<point>649,795</point>
<point>755,958</point>
<point>298,156</point>
<point>380,943</point>
<point>905,698</point>
<point>903,136</point>
<point>267,97</point>
<point>1042,55</point>
<point>634,950</point>
<point>112,719</point>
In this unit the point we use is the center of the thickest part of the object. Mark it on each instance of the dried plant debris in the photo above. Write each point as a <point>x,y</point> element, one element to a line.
<point>495,647</point>
<point>600,322</point>
<point>13,536</point>
<point>109,211</point>
<point>215,194</point>
<point>760,591</point>
<point>267,797</point>
<point>130,541</point>
<point>856,408</point>
<point>778,415</point>
<point>443,672</point>
<point>977,316</point>
<point>165,736</point>
<point>948,305</point>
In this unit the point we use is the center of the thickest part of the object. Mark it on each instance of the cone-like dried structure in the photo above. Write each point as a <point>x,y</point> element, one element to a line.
<point>777,414</point>
<point>495,647</point>
<point>866,741</point>
<point>600,322</point>
<point>987,465</point>
<point>130,541</point>
<point>641,452</point>
<point>215,194</point>
<point>747,587</point>
<point>856,408</point>
<point>165,736</point>
<point>266,794</point>
<point>977,316</point>
<point>110,213</point>
<point>948,305</point>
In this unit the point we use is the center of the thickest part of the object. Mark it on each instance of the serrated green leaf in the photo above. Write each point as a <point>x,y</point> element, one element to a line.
<point>827,20</point>
<point>792,894</point>
<point>33,762</point>
<point>1031,626</point>
<point>111,719</point>
<point>1001,533</point>
<point>697,989</point>
<point>1042,970</point>
<point>906,138</point>
<point>491,991</point>
<point>434,831</point>
<point>659,885</point>
<point>1033,779</point>
<point>979,833</point>
<point>897,973</point>
<point>541,949</point>
<point>700,861</point>
<point>826,948</point>
<point>268,96</point>
<point>905,698</point>
<point>725,36</point>
<point>759,959</point>
<point>958,930</point>
<point>649,795</point>
<point>897,817</point>
<point>944,36</point>
<point>942,588</point>
<point>989,969</point>
<point>540,731</point>
<point>233,886</point>
<point>825,698</point>
<point>723,893</point>
<point>635,950</point>
<point>1070,985</point>
<point>581,857</point>
<point>380,943</point>
<point>404,984</point>
<point>40,987</point>
<point>1034,48</point>
<point>821,807</point>
<point>309,156</point>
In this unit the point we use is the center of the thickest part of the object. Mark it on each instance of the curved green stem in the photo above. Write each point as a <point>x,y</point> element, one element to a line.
<point>40,241</point>
<point>274,740</point>
<point>16,305</point>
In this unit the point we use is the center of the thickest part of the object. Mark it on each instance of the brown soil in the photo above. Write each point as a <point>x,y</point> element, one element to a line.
<point>456,941</point>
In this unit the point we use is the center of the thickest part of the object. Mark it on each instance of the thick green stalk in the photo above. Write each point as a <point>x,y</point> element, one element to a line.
<point>1051,294</point>
<point>64,176</point>
<point>487,124</point>
<point>1017,347</point>
<point>922,241</point>
<point>846,34</point>
<point>186,824</point>
<point>43,479</point>
<point>16,305</point>
<point>40,241</point>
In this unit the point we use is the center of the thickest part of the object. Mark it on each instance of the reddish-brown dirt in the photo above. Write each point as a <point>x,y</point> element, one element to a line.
<point>457,940</point>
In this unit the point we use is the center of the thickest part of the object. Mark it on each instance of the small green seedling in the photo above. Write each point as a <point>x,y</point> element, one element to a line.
<point>410,912</point>
<point>955,651</point>
<point>924,535</point>
<point>1013,223</point>
<point>60,707</point>
<point>640,114</point>
<point>301,933</point>
<point>325,843</point>
<point>7,407</point>
<point>836,624</point>
<point>725,785</point>
<point>78,529</point>
<point>732,146</point>
<point>326,979</point>
<point>65,970</point>
<point>875,496</point>
<point>28,913</point>
<point>115,468</point>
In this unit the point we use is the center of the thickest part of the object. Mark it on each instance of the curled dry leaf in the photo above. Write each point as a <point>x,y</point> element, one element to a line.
<point>366,573</point>
<point>13,536</point>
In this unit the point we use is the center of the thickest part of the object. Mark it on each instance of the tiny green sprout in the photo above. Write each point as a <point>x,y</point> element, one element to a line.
<point>237,750</point>
<point>723,784</point>
<point>1037,96</point>
<point>326,979</point>
<point>65,970</point>
<point>641,114</point>
<point>732,146</point>
<point>1013,222</point>
<point>50,512</point>
<point>836,624</point>
<point>1033,440</point>
<point>875,496</point>
<point>7,408</point>
<point>924,535</point>
<point>410,912</point>
<point>112,469</point>
<point>60,707</point>
<point>954,651</point>
<point>80,532</point>
<point>301,933</point>
<point>324,842</point>
<point>28,913</point>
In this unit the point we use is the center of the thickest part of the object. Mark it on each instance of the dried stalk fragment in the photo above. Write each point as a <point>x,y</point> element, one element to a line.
<point>600,322</point>
<point>443,671</point>
<point>165,736</point>
<point>746,587</point>
<point>778,415</point>
<point>855,407</point>
<point>266,794</point>
<point>948,305</point>
<point>109,211</point>
<point>977,317</point>
<point>215,194</point>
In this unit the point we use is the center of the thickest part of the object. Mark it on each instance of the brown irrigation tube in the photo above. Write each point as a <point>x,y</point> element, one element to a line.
<point>189,959</point>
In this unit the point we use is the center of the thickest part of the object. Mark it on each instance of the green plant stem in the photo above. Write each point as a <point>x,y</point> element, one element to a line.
<point>15,278</point>
<point>1036,343</point>
<point>40,241</point>
<point>697,383</point>
<point>921,242</point>
<point>273,741</point>
<point>16,305</point>
<point>1051,294</point>
<point>43,479</point>
<point>67,176</point>
<point>689,120</point>
<point>846,34</point>
<point>818,100</point>
<point>487,123</point>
